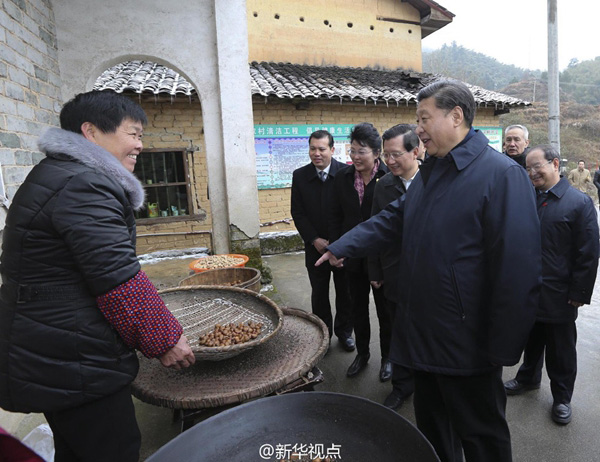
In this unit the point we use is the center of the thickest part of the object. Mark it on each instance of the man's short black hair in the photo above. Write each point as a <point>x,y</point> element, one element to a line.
<point>410,140</point>
<point>320,134</point>
<point>451,93</point>
<point>105,109</point>
<point>366,135</point>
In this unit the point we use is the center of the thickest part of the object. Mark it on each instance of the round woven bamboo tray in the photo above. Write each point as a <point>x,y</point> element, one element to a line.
<point>244,278</point>
<point>199,308</point>
<point>291,353</point>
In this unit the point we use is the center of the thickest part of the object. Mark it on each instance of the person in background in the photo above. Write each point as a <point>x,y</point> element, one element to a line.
<point>312,187</point>
<point>351,204</point>
<point>469,231</point>
<point>580,177</point>
<point>570,254</point>
<point>516,142</point>
<point>597,182</point>
<point>74,303</point>
<point>422,152</point>
<point>401,147</point>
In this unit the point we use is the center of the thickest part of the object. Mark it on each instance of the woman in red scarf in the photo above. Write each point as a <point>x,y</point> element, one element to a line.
<point>351,205</point>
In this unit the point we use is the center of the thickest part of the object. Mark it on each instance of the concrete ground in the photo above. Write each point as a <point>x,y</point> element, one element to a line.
<point>535,437</point>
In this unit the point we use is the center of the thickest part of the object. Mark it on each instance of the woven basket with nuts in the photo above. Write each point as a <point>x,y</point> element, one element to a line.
<point>222,322</point>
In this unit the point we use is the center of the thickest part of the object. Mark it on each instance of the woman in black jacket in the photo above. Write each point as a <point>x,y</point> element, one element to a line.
<point>351,204</point>
<point>74,302</point>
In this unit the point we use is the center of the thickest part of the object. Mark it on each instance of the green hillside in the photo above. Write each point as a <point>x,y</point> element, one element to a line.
<point>581,80</point>
<point>579,96</point>
<point>476,68</point>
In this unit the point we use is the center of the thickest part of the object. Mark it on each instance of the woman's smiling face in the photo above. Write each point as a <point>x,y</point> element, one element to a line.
<point>125,143</point>
<point>363,157</point>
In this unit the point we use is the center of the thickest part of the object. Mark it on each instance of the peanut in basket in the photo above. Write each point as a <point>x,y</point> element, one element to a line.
<point>231,334</point>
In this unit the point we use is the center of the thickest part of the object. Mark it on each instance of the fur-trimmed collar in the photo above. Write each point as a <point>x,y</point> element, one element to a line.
<point>58,143</point>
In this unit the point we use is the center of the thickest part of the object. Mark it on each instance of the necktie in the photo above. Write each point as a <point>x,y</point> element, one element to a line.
<point>322,175</point>
<point>541,198</point>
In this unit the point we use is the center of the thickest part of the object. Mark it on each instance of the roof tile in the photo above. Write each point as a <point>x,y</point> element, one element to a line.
<point>291,81</point>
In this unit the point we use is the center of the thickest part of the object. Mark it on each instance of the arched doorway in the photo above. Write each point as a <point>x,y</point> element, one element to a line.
<point>173,168</point>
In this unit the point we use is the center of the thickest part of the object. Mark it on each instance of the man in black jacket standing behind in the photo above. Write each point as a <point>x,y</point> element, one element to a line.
<point>401,148</point>
<point>597,183</point>
<point>312,186</point>
<point>569,263</point>
<point>516,142</point>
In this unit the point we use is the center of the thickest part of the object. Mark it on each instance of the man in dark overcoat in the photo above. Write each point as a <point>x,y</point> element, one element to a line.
<point>516,142</point>
<point>312,186</point>
<point>401,149</point>
<point>569,227</point>
<point>597,183</point>
<point>469,274</point>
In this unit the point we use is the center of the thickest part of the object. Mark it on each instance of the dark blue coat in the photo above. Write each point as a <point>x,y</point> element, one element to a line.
<point>470,264</point>
<point>597,180</point>
<point>569,252</point>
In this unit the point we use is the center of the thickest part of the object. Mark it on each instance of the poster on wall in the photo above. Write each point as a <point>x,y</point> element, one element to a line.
<point>494,134</point>
<point>281,149</point>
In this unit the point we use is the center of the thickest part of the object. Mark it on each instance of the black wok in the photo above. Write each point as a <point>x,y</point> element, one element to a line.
<point>361,429</point>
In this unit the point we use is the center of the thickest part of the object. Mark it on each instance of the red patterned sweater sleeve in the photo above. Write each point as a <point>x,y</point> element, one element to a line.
<point>140,316</point>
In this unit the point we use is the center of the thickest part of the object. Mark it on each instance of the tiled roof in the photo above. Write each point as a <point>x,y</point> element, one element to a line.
<point>355,84</point>
<point>143,77</point>
<point>296,81</point>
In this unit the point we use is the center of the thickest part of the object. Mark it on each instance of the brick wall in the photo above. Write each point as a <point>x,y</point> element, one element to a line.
<point>274,204</point>
<point>29,87</point>
<point>178,125</point>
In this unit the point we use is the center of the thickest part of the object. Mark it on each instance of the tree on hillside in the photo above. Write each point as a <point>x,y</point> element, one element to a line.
<point>582,80</point>
<point>472,67</point>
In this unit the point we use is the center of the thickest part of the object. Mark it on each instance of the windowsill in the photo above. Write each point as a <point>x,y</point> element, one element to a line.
<point>171,219</point>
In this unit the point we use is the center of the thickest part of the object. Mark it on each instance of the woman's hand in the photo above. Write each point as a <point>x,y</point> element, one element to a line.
<point>180,356</point>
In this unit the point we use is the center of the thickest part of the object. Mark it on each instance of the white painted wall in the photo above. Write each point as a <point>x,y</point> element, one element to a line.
<point>204,40</point>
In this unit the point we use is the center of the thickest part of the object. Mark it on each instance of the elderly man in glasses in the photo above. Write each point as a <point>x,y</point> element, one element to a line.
<point>569,263</point>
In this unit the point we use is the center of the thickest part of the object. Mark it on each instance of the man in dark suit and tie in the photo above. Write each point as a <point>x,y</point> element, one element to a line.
<point>311,192</point>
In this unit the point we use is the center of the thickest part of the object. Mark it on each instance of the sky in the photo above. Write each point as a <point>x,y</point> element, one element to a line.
<point>516,31</point>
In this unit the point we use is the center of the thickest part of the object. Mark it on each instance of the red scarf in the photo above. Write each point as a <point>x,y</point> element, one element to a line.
<point>359,184</point>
